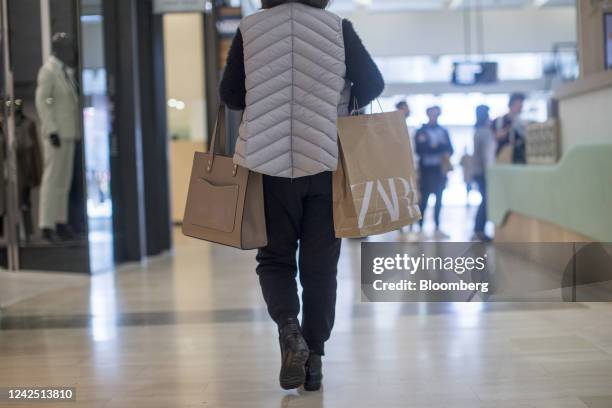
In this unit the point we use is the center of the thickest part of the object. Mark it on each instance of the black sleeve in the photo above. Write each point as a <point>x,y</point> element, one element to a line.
<point>361,70</point>
<point>232,89</point>
<point>421,143</point>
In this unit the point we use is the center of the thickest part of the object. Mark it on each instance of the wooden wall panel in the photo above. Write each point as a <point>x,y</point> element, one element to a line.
<point>591,36</point>
<point>521,228</point>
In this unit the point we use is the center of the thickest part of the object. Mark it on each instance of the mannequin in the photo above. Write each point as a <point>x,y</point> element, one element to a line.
<point>57,103</point>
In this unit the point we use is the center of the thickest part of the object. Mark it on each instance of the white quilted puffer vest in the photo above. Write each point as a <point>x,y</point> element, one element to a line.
<point>295,80</point>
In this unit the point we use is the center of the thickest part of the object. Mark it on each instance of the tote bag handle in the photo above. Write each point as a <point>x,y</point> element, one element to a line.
<point>218,131</point>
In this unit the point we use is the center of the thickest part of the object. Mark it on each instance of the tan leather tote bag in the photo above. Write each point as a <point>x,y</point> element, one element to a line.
<point>225,201</point>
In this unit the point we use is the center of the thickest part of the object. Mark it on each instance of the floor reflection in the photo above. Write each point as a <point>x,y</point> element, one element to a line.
<point>103,307</point>
<point>192,331</point>
<point>101,252</point>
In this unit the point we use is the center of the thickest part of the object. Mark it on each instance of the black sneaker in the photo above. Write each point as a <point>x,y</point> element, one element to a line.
<point>294,353</point>
<point>314,373</point>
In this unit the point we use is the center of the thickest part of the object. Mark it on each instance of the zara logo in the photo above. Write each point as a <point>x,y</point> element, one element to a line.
<point>397,194</point>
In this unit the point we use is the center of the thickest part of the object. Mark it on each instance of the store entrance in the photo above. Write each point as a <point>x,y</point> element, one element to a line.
<point>185,79</point>
<point>55,203</point>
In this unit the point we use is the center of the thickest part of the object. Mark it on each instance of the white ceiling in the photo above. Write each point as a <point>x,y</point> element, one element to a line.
<point>345,6</point>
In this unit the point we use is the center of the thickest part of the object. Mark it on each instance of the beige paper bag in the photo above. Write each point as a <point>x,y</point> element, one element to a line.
<point>375,183</point>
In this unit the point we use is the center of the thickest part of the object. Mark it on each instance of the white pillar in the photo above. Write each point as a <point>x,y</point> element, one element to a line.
<point>45,29</point>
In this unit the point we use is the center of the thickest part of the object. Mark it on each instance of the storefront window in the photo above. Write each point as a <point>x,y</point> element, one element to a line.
<point>511,67</point>
<point>458,116</point>
<point>96,128</point>
<point>184,61</point>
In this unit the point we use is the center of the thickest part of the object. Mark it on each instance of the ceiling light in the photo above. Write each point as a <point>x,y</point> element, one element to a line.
<point>363,3</point>
<point>454,4</point>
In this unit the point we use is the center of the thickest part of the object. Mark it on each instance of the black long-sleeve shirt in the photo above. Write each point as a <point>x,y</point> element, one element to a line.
<point>361,70</point>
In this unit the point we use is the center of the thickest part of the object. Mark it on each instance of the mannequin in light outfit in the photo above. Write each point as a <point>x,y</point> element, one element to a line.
<point>57,104</point>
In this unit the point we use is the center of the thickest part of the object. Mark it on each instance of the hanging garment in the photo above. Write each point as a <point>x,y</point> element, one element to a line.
<point>29,155</point>
<point>29,168</point>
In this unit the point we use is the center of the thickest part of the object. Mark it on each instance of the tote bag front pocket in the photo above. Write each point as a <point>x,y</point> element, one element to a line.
<point>207,213</point>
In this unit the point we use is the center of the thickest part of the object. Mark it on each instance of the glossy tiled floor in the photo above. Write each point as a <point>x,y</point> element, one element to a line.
<point>191,331</point>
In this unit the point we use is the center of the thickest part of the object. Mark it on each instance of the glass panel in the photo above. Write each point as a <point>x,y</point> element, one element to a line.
<point>49,198</point>
<point>96,124</point>
<point>511,67</point>
<point>608,40</point>
<point>4,135</point>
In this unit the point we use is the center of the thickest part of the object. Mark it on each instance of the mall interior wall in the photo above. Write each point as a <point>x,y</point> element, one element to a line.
<point>26,57</point>
<point>505,31</point>
<point>591,42</point>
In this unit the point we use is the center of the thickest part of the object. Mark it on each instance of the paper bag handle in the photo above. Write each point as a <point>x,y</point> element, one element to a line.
<point>355,111</point>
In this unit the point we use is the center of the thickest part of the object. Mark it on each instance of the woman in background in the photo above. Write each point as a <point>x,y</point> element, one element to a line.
<point>484,156</point>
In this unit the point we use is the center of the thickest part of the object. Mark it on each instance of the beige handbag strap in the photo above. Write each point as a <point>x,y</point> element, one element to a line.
<point>219,122</point>
<point>218,131</point>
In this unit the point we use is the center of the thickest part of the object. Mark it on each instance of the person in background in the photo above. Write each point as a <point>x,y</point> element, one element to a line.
<point>468,174</point>
<point>510,132</point>
<point>403,107</point>
<point>484,156</point>
<point>294,68</point>
<point>434,148</point>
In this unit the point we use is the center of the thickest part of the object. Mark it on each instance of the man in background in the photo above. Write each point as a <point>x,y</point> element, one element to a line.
<point>509,132</point>
<point>403,107</point>
<point>484,156</point>
<point>434,148</point>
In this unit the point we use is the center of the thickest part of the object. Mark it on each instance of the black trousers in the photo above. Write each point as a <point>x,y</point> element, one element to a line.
<point>432,181</point>
<point>300,211</point>
<point>481,215</point>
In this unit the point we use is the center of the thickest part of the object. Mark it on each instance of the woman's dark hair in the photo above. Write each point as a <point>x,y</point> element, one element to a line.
<point>482,116</point>
<point>433,108</point>
<point>266,4</point>
<point>517,96</point>
<point>401,104</point>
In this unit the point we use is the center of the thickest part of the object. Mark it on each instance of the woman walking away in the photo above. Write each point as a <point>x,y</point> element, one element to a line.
<point>484,156</point>
<point>293,67</point>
